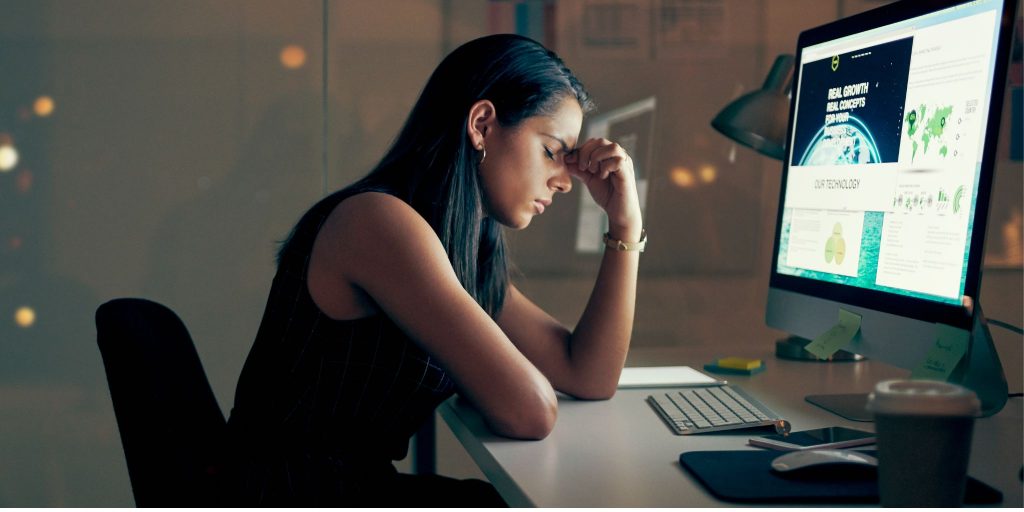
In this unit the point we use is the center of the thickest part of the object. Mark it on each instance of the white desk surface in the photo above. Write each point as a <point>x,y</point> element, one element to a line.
<point>619,453</point>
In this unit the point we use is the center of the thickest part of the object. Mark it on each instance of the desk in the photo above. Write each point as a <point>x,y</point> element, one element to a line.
<point>619,453</point>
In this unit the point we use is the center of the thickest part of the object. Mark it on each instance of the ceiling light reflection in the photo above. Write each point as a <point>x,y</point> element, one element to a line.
<point>8,157</point>
<point>43,106</point>
<point>682,177</point>
<point>293,56</point>
<point>25,317</point>
<point>708,173</point>
<point>23,181</point>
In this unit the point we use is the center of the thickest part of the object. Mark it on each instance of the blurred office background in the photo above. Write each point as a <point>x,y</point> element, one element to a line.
<point>160,149</point>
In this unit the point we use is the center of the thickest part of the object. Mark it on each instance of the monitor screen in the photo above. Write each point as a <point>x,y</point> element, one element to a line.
<point>886,179</point>
<point>886,154</point>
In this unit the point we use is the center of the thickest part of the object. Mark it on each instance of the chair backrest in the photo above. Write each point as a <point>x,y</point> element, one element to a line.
<point>171,426</point>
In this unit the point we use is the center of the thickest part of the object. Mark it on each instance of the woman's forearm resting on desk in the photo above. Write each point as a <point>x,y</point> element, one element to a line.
<point>586,362</point>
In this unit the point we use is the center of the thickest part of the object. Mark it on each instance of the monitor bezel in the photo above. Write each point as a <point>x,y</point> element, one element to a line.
<point>912,307</point>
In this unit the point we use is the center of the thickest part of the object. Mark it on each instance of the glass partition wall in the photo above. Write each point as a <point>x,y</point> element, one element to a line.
<point>161,149</point>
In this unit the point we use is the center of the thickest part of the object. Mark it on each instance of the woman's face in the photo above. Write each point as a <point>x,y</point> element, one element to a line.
<point>525,164</point>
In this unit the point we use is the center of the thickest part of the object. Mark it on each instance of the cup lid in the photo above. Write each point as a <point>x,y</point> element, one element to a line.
<point>923,397</point>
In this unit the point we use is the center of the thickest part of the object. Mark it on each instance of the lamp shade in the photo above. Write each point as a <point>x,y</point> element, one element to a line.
<point>758,119</point>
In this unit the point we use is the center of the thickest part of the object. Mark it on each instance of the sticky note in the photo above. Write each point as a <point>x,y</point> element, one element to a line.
<point>739,363</point>
<point>714,367</point>
<point>836,337</point>
<point>950,347</point>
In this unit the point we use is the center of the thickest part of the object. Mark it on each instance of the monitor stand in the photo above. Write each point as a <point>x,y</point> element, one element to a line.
<point>979,371</point>
<point>793,348</point>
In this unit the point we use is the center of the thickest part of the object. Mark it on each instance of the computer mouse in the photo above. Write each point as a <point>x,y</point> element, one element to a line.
<point>826,464</point>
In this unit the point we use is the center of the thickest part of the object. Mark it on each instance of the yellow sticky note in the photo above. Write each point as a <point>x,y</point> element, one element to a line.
<point>950,347</point>
<point>837,337</point>
<point>739,363</point>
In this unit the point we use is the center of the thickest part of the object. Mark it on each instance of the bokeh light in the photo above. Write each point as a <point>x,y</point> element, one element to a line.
<point>23,181</point>
<point>682,177</point>
<point>25,317</point>
<point>708,173</point>
<point>43,106</point>
<point>293,56</point>
<point>8,157</point>
<point>15,243</point>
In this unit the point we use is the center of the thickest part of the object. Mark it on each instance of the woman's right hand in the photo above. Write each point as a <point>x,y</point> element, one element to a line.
<point>607,171</point>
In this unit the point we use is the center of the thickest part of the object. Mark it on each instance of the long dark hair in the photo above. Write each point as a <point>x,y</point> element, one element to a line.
<point>433,166</point>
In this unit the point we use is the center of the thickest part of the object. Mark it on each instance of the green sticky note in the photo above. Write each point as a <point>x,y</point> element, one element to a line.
<point>950,347</point>
<point>836,337</point>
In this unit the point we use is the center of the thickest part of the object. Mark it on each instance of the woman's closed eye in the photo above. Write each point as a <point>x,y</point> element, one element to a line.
<point>550,154</point>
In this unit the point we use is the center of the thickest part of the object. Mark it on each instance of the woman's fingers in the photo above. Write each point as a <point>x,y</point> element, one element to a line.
<point>572,158</point>
<point>585,152</point>
<point>609,159</point>
<point>599,157</point>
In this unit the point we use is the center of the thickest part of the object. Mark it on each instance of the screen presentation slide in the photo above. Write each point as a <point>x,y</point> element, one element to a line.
<point>944,118</point>
<point>826,241</point>
<point>849,120</point>
<point>922,254</point>
<point>924,237</point>
<point>850,106</point>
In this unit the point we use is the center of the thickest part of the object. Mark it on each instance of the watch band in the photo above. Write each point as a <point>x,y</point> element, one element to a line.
<point>619,245</point>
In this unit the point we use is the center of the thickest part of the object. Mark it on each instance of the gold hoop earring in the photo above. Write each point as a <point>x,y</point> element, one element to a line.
<point>483,154</point>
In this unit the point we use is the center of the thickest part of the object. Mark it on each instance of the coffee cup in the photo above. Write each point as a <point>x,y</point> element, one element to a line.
<point>924,432</point>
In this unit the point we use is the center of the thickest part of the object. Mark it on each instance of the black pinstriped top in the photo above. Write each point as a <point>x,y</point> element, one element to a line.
<point>353,390</point>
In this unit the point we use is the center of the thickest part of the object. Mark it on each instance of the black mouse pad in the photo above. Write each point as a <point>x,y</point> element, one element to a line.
<point>746,476</point>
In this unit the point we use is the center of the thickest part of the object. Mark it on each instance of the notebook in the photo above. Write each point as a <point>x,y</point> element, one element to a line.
<point>665,376</point>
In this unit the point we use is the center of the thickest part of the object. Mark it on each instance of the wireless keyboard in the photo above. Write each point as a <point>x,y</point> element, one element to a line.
<point>713,409</point>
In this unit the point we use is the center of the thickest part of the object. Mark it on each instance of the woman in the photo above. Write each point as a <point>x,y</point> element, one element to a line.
<point>394,292</point>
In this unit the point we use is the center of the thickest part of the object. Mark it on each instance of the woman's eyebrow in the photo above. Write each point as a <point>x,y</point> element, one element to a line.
<point>565,147</point>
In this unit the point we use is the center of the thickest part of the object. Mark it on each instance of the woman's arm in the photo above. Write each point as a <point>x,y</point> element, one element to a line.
<point>379,245</point>
<point>586,362</point>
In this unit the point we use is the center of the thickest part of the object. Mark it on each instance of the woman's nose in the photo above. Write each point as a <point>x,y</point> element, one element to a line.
<point>562,180</point>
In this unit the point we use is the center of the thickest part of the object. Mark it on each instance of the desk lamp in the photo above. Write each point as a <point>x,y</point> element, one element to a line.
<point>758,120</point>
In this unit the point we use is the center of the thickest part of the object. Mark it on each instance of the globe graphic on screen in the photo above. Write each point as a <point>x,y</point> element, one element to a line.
<point>843,144</point>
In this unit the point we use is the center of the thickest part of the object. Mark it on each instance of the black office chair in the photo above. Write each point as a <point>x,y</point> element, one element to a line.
<point>171,426</point>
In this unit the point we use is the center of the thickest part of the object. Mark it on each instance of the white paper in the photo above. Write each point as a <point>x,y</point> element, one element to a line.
<point>665,376</point>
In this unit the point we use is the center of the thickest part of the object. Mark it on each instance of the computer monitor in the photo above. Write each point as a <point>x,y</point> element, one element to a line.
<point>886,182</point>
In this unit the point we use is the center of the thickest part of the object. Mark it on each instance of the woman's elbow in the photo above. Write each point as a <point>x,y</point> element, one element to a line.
<point>595,394</point>
<point>603,389</point>
<point>533,424</point>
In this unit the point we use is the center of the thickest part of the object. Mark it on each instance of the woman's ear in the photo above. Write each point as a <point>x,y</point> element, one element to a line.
<point>482,119</point>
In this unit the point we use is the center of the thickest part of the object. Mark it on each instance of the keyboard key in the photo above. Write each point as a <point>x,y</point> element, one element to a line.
<point>668,407</point>
<point>687,408</point>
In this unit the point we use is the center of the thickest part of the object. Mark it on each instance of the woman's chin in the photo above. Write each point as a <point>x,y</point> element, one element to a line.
<point>524,221</point>
<point>518,226</point>
<point>516,223</point>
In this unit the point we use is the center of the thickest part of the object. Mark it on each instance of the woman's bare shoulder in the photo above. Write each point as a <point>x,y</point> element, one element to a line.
<point>371,228</point>
<point>371,203</point>
<point>365,238</point>
<point>375,215</point>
